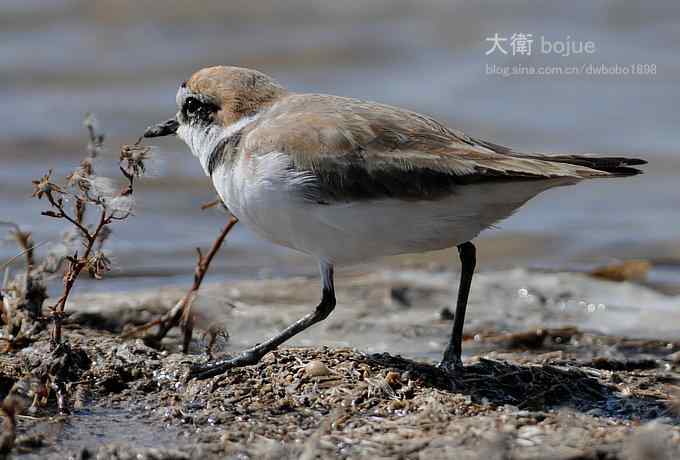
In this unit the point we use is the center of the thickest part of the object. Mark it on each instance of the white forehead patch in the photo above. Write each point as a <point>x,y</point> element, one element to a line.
<point>182,93</point>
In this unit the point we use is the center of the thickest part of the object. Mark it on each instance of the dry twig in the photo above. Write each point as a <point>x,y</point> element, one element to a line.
<point>180,314</point>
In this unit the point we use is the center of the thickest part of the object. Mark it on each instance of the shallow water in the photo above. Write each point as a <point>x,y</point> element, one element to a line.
<point>91,429</point>
<point>124,59</point>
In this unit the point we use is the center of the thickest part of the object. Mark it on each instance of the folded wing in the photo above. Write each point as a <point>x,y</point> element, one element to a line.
<point>361,150</point>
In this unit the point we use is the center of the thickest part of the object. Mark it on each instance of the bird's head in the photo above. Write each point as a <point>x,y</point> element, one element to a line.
<point>215,99</point>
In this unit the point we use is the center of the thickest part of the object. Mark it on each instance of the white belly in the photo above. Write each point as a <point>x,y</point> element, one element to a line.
<point>265,198</point>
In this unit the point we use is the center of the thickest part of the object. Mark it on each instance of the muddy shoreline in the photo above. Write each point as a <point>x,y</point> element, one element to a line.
<point>552,371</point>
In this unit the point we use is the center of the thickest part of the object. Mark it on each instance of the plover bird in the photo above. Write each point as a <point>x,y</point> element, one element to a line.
<point>346,180</point>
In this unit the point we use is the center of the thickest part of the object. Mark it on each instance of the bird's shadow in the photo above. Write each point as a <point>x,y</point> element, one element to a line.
<point>532,387</point>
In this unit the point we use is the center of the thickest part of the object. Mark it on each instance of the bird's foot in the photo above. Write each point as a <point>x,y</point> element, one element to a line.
<point>452,368</point>
<point>213,368</point>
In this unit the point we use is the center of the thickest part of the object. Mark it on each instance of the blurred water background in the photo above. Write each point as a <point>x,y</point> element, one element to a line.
<point>123,60</point>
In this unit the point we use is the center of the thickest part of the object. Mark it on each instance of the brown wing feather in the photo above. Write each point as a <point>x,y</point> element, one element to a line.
<point>618,165</point>
<point>360,149</point>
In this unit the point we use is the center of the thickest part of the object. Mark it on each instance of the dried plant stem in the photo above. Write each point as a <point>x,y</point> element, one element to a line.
<point>25,242</point>
<point>63,214</point>
<point>180,314</point>
<point>210,204</point>
<point>129,167</point>
<point>28,252</point>
<point>76,265</point>
<point>202,266</point>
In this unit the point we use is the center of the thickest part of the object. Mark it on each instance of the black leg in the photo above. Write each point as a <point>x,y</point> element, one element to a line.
<point>253,355</point>
<point>468,259</point>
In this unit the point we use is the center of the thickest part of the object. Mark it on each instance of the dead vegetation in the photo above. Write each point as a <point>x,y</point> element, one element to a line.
<point>89,203</point>
<point>181,314</point>
<point>83,192</point>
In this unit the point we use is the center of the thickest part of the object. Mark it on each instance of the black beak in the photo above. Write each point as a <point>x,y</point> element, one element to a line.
<point>162,129</point>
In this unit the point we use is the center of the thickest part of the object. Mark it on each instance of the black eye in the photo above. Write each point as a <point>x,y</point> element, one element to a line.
<point>191,105</point>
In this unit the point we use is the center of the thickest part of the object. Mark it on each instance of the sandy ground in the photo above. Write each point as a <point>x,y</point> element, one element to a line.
<point>557,366</point>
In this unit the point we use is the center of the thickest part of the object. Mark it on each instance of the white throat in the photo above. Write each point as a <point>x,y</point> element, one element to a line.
<point>203,140</point>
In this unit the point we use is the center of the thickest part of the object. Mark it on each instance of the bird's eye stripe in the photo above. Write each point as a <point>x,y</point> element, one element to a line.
<point>198,110</point>
<point>191,104</point>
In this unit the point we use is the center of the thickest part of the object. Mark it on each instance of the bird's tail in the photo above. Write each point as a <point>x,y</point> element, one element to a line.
<point>596,165</point>
<point>616,166</point>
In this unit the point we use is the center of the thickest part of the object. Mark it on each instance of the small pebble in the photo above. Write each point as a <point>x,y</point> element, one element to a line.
<point>316,368</point>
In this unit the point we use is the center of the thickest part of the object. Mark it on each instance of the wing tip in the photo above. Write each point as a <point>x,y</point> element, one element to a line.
<point>635,161</point>
<point>614,166</point>
<point>623,171</point>
<point>620,166</point>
